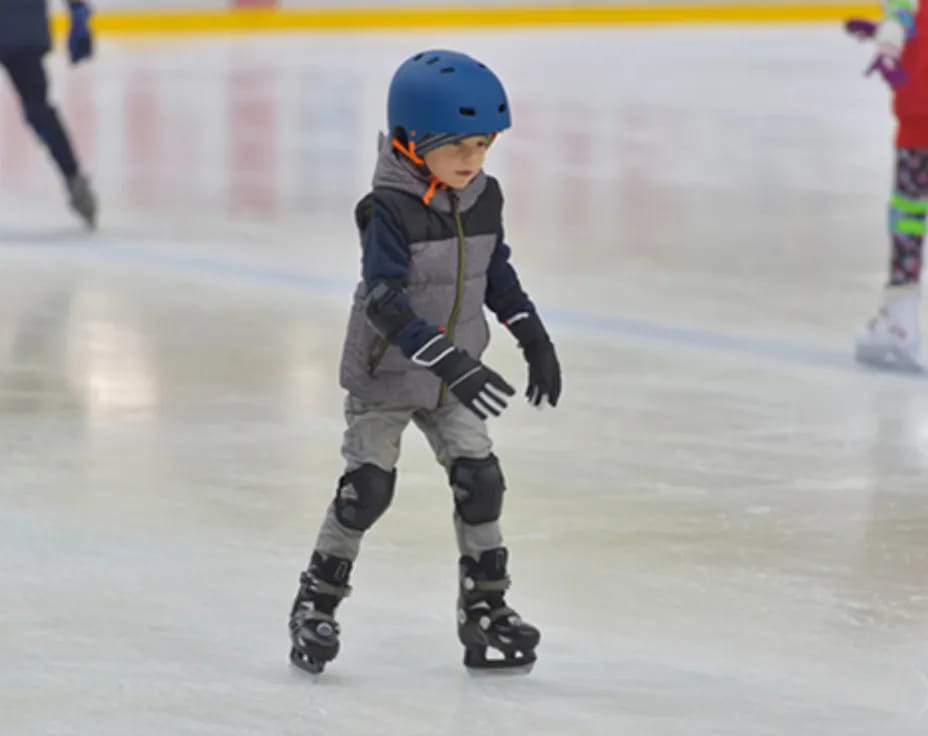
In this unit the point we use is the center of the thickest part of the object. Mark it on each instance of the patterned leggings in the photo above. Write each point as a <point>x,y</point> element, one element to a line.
<point>907,213</point>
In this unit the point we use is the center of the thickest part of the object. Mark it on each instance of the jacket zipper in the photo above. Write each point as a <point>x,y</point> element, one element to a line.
<point>378,349</point>
<point>459,293</point>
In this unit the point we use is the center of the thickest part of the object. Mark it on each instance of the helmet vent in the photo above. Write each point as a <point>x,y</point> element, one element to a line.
<point>502,108</point>
<point>448,70</point>
<point>417,57</point>
<point>468,112</point>
<point>433,60</point>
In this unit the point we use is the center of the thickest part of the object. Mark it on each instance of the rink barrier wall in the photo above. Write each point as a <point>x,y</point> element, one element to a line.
<point>245,20</point>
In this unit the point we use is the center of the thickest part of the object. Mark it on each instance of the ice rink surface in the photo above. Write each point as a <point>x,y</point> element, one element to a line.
<point>722,530</point>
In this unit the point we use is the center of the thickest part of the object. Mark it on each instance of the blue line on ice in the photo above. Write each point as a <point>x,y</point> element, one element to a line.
<point>146,256</point>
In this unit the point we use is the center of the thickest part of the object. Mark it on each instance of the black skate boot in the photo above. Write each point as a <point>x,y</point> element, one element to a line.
<point>484,619</point>
<point>313,629</point>
<point>82,199</point>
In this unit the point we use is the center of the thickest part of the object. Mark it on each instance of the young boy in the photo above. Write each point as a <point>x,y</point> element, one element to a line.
<point>433,255</point>
<point>892,338</point>
<point>24,41</point>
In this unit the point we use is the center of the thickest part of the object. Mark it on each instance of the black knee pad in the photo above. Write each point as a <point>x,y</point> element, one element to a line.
<point>363,495</point>
<point>478,489</point>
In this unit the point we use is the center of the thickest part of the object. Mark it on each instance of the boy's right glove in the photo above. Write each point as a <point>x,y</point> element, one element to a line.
<point>480,389</point>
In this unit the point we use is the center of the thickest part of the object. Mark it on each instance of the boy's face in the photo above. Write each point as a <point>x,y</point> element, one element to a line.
<point>458,163</point>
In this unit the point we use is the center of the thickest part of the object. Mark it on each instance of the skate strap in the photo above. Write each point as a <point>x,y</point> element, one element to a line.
<point>323,588</point>
<point>492,586</point>
<point>501,612</point>
<point>318,615</point>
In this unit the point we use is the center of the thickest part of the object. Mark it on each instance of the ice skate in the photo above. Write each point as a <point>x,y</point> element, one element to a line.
<point>82,199</point>
<point>313,630</point>
<point>486,622</point>
<point>892,338</point>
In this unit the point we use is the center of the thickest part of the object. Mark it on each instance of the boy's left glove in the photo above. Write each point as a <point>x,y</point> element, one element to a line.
<point>80,39</point>
<point>544,371</point>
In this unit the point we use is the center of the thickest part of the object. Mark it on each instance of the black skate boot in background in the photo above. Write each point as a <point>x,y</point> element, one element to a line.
<point>82,199</point>
<point>313,629</point>
<point>484,619</point>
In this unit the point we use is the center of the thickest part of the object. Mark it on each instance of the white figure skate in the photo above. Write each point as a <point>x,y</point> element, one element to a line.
<point>892,338</point>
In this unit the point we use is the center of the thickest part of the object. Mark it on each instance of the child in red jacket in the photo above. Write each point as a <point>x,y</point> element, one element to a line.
<point>892,337</point>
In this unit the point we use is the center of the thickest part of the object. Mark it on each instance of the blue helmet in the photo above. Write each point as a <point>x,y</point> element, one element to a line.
<point>446,92</point>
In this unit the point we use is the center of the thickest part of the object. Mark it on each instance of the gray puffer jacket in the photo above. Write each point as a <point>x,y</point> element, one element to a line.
<point>449,241</point>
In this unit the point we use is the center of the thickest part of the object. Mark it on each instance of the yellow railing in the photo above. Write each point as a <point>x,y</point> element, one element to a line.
<point>406,18</point>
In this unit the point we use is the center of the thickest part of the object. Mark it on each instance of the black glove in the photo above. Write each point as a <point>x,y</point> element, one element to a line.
<point>80,37</point>
<point>544,372</point>
<point>480,389</point>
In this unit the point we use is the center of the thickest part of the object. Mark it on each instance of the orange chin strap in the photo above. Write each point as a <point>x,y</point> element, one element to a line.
<point>410,152</point>
<point>434,182</point>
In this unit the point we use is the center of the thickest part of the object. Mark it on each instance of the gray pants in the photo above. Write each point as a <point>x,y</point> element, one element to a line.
<point>373,436</point>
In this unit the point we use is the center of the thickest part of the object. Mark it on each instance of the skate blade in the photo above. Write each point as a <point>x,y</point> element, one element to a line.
<point>306,663</point>
<point>518,670</point>
<point>891,359</point>
<point>510,663</point>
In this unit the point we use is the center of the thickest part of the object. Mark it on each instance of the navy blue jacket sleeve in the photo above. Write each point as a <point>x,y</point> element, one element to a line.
<point>504,295</point>
<point>386,257</point>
